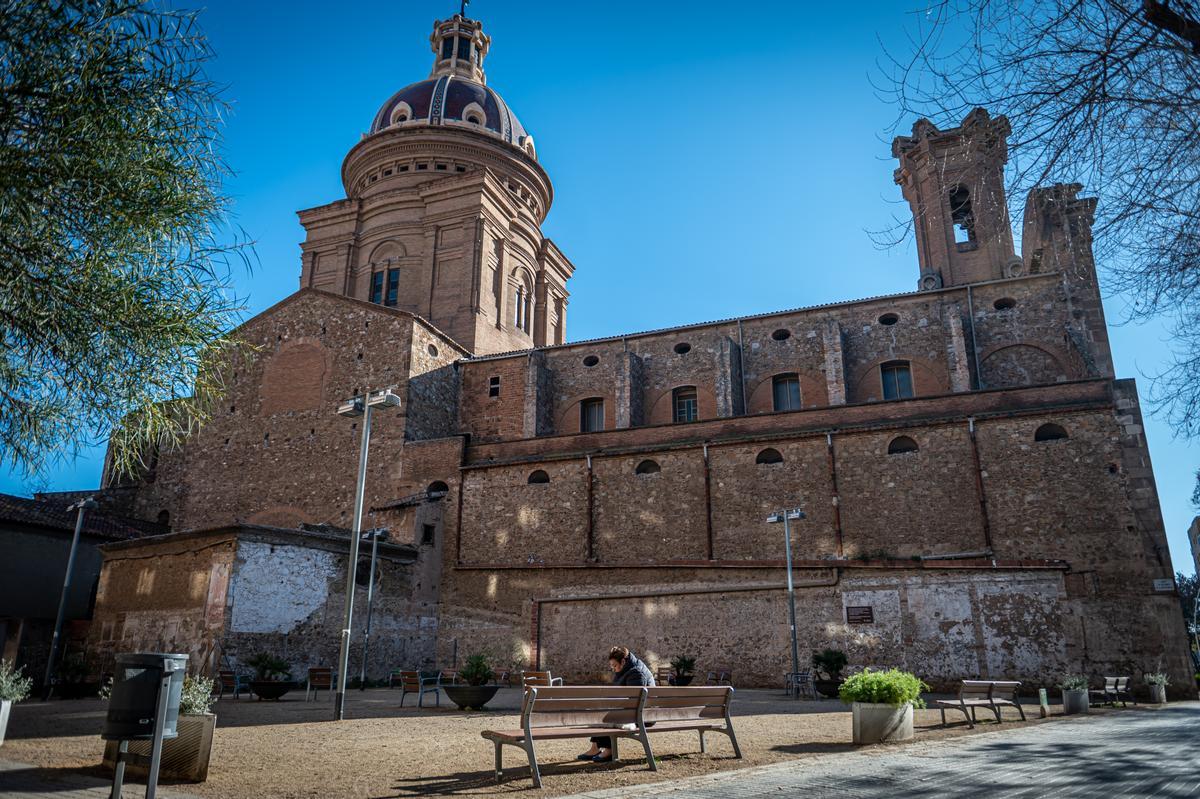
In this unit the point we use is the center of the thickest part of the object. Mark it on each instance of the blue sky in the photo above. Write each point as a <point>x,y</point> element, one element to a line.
<point>709,159</point>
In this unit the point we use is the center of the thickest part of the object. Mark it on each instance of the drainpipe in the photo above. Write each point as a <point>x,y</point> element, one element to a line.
<point>983,511</point>
<point>837,501</point>
<point>708,503</point>
<point>591,528</point>
<point>978,381</point>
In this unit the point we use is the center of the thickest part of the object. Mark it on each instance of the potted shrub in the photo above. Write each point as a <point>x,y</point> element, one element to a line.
<point>13,688</point>
<point>478,691</point>
<point>186,756</point>
<point>1158,683</point>
<point>1074,693</point>
<point>828,665</point>
<point>881,703</point>
<point>684,668</point>
<point>71,680</point>
<point>272,676</point>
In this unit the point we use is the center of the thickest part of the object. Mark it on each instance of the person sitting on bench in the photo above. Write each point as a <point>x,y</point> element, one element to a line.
<point>628,670</point>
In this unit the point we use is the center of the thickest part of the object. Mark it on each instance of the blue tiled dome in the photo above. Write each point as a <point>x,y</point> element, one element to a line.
<point>451,98</point>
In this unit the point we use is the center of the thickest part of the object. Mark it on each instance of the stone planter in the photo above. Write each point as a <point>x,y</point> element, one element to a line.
<point>184,757</point>
<point>271,689</point>
<point>470,697</point>
<point>1075,702</point>
<point>1158,695</point>
<point>875,723</point>
<point>5,710</point>
<point>683,679</point>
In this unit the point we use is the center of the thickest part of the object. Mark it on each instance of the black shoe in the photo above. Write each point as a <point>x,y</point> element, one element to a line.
<point>602,759</point>
<point>586,756</point>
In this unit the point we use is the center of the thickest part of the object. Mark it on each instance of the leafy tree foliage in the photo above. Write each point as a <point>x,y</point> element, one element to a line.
<point>114,283</point>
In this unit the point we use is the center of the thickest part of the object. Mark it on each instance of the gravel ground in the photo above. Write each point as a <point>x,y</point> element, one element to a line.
<point>290,749</point>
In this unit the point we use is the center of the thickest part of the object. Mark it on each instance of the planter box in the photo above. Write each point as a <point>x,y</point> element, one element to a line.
<point>1158,696</point>
<point>828,688</point>
<point>5,710</point>
<point>271,689</point>
<point>184,757</point>
<point>874,723</point>
<point>1075,702</point>
<point>470,697</point>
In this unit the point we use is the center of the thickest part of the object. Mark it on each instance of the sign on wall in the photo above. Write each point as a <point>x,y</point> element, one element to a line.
<point>860,614</point>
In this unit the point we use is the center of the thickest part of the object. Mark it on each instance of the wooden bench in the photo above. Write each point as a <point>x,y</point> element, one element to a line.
<point>318,677</point>
<point>540,678</point>
<point>992,694</point>
<point>1116,689</point>
<point>703,708</point>
<point>556,712</point>
<point>411,682</point>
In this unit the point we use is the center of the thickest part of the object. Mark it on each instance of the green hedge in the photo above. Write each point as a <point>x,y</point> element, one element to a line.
<point>891,687</point>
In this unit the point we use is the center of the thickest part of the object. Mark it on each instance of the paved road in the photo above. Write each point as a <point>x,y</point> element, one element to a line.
<point>19,781</point>
<point>1148,753</point>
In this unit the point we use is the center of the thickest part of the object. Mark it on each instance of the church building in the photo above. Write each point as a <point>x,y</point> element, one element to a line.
<point>977,490</point>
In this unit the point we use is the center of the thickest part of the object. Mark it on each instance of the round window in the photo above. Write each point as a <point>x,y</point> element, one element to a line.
<point>591,360</point>
<point>433,350</point>
<point>889,319</point>
<point>682,348</point>
<point>782,334</point>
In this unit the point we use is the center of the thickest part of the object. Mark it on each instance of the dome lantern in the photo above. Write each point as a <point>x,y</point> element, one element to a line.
<point>459,47</point>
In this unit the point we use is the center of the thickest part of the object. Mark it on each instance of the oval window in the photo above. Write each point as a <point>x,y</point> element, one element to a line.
<point>1004,303</point>
<point>591,360</point>
<point>889,319</point>
<point>1050,432</point>
<point>782,334</point>
<point>433,350</point>
<point>683,348</point>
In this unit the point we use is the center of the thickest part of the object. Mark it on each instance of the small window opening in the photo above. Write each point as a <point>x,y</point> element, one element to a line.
<point>440,167</point>
<point>433,350</point>
<point>901,444</point>
<point>786,392</point>
<point>683,400</point>
<point>377,287</point>
<point>403,168</point>
<point>897,380</point>
<point>538,477</point>
<point>387,172</point>
<point>782,334</point>
<point>1050,432</point>
<point>769,455</point>
<point>494,386</point>
<point>460,168</point>
<point>647,467</point>
<point>474,120</point>
<point>683,348</point>
<point>591,360</point>
<point>437,489</point>
<point>164,518</point>
<point>961,215</point>
<point>591,415</point>
<point>427,534</point>
<point>1004,303</point>
<point>889,319</point>
<point>422,166</point>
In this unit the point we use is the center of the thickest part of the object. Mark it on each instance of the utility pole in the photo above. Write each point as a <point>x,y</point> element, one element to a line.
<point>81,507</point>
<point>786,516</point>
<point>375,534</point>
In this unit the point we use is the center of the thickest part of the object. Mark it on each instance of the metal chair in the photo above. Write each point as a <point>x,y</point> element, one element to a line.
<point>231,681</point>
<point>318,678</point>
<point>798,682</point>
<point>411,682</point>
<point>539,678</point>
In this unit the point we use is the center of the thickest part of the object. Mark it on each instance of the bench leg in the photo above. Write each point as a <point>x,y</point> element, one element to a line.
<point>996,710</point>
<point>649,754</point>
<point>943,715</point>
<point>533,766</point>
<point>499,760</point>
<point>703,748</point>
<point>612,747</point>
<point>1021,710</point>
<point>737,750</point>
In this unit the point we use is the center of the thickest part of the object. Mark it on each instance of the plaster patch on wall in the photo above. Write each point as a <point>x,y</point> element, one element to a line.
<point>1022,628</point>
<point>277,587</point>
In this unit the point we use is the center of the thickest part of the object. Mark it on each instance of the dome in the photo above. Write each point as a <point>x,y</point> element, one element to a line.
<point>452,100</point>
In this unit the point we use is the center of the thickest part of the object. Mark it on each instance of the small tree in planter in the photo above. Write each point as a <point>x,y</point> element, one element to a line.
<point>882,704</point>
<point>272,676</point>
<point>1158,683</point>
<point>828,665</point>
<point>14,687</point>
<point>1075,694</point>
<point>684,668</point>
<point>478,691</point>
<point>186,756</point>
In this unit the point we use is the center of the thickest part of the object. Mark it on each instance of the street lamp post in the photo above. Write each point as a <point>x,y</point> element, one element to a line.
<point>375,534</point>
<point>81,507</point>
<point>787,515</point>
<point>359,406</point>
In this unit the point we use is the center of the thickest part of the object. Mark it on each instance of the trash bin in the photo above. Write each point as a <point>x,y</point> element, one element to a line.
<point>134,702</point>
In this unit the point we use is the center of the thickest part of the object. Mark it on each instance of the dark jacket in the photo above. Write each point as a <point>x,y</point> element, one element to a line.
<point>634,672</point>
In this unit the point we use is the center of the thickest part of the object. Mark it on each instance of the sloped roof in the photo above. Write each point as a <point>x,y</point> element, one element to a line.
<point>57,516</point>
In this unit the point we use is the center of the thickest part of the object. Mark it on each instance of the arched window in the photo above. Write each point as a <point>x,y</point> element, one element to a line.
<point>961,215</point>
<point>648,467</point>
<point>901,444</point>
<point>683,403</point>
<point>769,455</point>
<point>785,389</point>
<point>1050,432</point>
<point>436,490</point>
<point>591,415</point>
<point>164,518</point>
<point>897,380</point>
<point>523,307</point>
<point>538,477</point>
